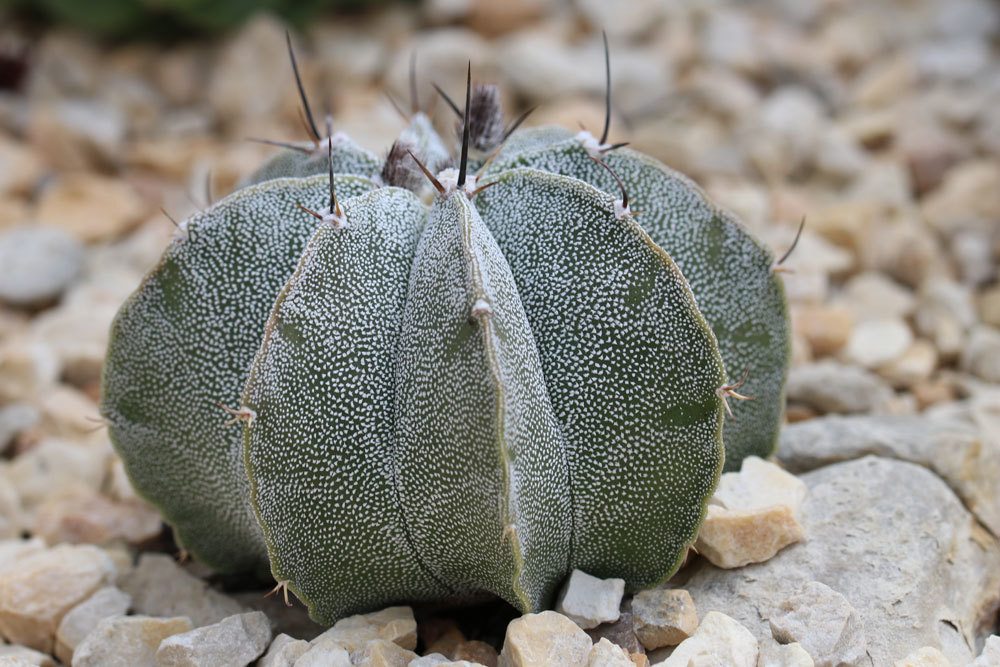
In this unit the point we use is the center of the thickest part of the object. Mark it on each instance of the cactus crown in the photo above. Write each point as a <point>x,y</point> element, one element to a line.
<point>447,383</point>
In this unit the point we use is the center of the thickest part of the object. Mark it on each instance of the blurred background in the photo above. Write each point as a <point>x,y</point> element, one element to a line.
<point>877,121</point>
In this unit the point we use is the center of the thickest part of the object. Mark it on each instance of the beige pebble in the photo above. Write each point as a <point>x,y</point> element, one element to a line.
<point>36,592</point>
<point>91,207</point>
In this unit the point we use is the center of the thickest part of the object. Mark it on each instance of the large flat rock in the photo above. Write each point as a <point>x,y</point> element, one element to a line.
<point>896,542</point>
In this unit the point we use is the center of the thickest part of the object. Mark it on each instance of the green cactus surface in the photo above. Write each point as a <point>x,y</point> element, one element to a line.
<point>310,159</point>
<point>730,272</point>
<point>397,381</point>
<point>182,345</point>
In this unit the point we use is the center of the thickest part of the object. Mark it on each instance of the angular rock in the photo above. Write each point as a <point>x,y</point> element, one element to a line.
<point>753,515</point>
<point>233,642</point>
<point>535,640</point>
<point>324,653</point>
<point>36,592</point>
<point>991,653</point>
<point>824,623</point>
<point>953,447</point>
<point>784,655</point>
<point>894,540</point>
<point>827,386</point>
<point>759,484</point>
<point>83,618</point>
<point>606,654</point>
<point>283,652</point>
<point>663,617</point>
<point>159,587</point>
<point>927,656</point>
<point>382,653</point>
<point>39,263</point>
<point>127,641</point>
<point>589,601</point>
<point>730,539</point>
<point>395,624</point>
<point>719,640</point>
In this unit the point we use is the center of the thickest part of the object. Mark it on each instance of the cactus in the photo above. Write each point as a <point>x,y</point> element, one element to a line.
<point>447,386</point>
<point>732,275</point>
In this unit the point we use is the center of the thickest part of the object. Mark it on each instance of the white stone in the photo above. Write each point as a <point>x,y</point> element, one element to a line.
<point>877,342</point>
<point>759,484</point>
<point>828,386</point>
<point>872,295</point>
<point>990,657</point>
<point>283,652</point>
<point>159,587</point>
<point>752,515</point>
<point>83,618</point>
<point>784,655</point>
<point>39,263</point>
<point>22,656</point>
<point>824,623</point>
<point>606,654</point>
<point>538,640</point>
<point>590,601</point>
<point>719,640</point>
<point>382,653</point>
<point>127,641</point>
<point>36,592</point>
<point>13,552</point>
<point>324,653</point>
<point>395,624</point>
<point>233,642</point>
<point>928,656</point>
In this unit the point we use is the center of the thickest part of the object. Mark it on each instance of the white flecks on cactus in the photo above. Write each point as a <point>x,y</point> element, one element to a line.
<point>182,345</point>
<point>319,454</point>
<point>630,366</point>
<point>729,271</point>
<point>479,395</point>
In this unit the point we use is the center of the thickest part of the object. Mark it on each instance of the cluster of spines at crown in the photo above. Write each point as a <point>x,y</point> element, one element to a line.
<point>334,213</point>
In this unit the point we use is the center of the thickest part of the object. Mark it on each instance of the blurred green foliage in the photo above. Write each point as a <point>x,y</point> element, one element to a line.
<point>144,18</point>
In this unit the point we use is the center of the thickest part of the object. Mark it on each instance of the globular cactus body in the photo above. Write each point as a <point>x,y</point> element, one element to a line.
<point>182,345</point>
<point>730,272</point>
<point>473,395</point>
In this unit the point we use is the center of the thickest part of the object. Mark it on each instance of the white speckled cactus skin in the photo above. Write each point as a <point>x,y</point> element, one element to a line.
<point>442,391</point>
<point>730,272</point>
